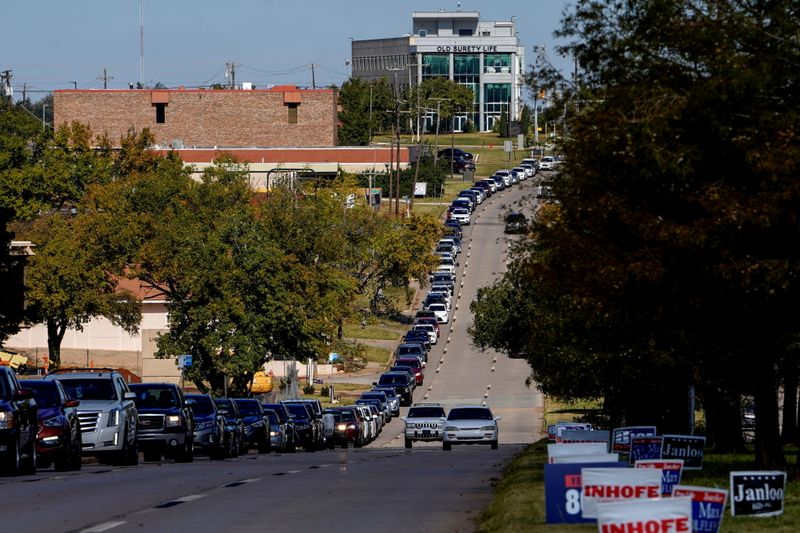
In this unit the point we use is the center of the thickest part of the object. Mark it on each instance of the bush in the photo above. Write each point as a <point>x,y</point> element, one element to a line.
<point>308,389</point>
<point>325,391</point>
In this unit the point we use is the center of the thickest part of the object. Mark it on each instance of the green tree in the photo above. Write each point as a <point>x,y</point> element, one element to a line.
<point>69,281</point>
<point>366,108</point>
<point>670,260</point>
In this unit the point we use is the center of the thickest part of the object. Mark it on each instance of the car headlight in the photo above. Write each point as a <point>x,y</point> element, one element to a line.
<point>274,433</point>
<point>341,427</point>
<point>451,428</point>
<point>113,418</point>
<point>172,420</point>
<point>56,421</point>
<point>6,420</point>
<point>488,428</point>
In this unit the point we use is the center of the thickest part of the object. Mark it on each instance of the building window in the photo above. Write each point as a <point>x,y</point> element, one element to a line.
<point>435,66</point>
<point>292,113</point>
<point>423,33</point>
<point>497,63</point>
<point>496,98</point>
<point>161,113</point>
<point>465,32</point>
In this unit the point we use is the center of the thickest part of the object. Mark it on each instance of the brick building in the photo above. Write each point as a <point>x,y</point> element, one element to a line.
<point>280,116</point>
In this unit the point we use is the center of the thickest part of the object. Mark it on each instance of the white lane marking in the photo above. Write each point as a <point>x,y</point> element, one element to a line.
<point>293,471</point>
<point>105,526</point>
<point>255,479</point>
<point>189,498</point>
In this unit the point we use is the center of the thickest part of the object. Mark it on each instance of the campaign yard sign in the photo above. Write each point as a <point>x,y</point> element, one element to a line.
<point>708,506</point>
<point>670,472</point>
<point>562,489</point>
<point>554,430</point>
<point>622,437</point>
<point>757,493</point>
<point>609,484</point>
<point>687,447</point>
<point>583,435</point>
<point>666,515</point>
<point>576,448</point>
<point>644,448</point>
<point>600,458</point>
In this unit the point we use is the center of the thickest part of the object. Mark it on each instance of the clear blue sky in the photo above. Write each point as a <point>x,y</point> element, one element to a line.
<point>48,44</point>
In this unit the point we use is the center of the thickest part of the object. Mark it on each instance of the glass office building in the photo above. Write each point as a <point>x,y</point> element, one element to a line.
<point>484,56</point>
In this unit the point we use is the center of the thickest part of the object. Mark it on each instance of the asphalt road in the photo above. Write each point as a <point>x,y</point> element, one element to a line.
<point>383,487</point>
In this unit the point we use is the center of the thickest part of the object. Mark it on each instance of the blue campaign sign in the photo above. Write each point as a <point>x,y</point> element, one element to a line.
<point>645,448</point>
<point>708,506</point>
<point>184,360</point>
<point>563,487</point>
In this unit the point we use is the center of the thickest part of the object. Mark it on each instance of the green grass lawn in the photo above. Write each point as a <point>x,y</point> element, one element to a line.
<point>377,355</point>
<point>519,502</point>
<point>378,331</point>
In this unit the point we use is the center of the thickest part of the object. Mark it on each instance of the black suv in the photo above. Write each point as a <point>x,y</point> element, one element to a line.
<point>516,223</point>
<point>306,428</point>
<point>401,382</point>
<point>256,424</point>
<point>19,424</point>
<point>234,427</point>
<point>285,419</point>
<point>166,423</point>
<point>452,153</point>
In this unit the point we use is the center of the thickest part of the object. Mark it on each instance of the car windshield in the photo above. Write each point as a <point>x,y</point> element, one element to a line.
<point>225,406</point>
<point>373,396</point>
<point>297,410</point>
<point>515,217</point>
<point>408,349</point>
<point>426,412</point>
<point>393,379</point>
<point>45,393</point>
<point>203,405</point>
<point>277,409</point>
<point>438,307</point>
<point>89,389</point>
<point>412,363</point>
<point>347,415</point>
<point>470,413</point>
<point>273,418</point>
<point>248,407</point>
<point>460,211</point>
<point>390,393</point>
<point>150,397</point>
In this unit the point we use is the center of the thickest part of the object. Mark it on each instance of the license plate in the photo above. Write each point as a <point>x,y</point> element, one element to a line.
<point>426,432</point>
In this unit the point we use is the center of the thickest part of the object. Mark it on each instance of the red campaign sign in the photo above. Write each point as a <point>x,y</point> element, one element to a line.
<point>667,515</point>
<point>608,484</point>
<point>670,472</point>
<point>708,506</point>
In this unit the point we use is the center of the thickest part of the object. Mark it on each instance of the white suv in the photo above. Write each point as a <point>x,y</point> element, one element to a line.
<point>108,417</point>
<point>425,421</point>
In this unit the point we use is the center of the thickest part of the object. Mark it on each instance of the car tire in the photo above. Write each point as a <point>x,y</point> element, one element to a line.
<point>446,446</point>
<point>28,464</point>
<point>344,445</point>
<point>264,446</point>
<point>185,455</point>
<point>129,455</point>
<point>494,444</point>
<point>218,453</point>
<point>408,443</point>
<point>13,460</point>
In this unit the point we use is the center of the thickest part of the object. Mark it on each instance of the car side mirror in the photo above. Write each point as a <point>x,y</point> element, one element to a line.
<point>374,383</point>
<point>498,418</point>
<point>403,418</point>
<point>23,394</point>
<point>72,403</point>
<point>129,395</point>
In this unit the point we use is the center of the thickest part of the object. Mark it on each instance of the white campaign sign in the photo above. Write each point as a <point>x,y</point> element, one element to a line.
<point>576,448</point>
<point>610,484</point>
<point>599,458</point>
<point>667,515</point>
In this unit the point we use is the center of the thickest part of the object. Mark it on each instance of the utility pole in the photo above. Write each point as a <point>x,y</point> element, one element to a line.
<point>74,85</point>
<point>24,91</point>
<point>44,123</point>
<point>105,77</point>
<point>313,77</point>
<point>141,44</point>
<point>436,142</point>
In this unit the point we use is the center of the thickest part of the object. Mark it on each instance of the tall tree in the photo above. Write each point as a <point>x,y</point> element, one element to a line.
<point>671,260</point>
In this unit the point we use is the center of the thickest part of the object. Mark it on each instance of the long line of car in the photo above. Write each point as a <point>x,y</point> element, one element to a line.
<point>71,413</point>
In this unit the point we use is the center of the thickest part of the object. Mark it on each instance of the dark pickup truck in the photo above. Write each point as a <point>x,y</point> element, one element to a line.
<point>166,422</point>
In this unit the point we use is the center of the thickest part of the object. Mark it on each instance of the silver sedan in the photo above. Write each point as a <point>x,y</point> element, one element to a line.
<point>470,424</point>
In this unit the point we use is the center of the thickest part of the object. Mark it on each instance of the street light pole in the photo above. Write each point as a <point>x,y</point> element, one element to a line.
<point>44,123</point>
<point>436,141</point>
